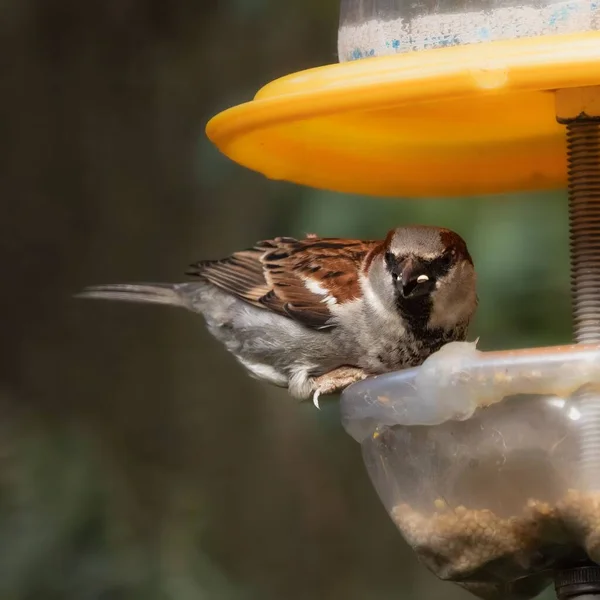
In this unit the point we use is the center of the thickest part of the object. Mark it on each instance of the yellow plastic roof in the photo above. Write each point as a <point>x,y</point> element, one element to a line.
<point>452,121</point>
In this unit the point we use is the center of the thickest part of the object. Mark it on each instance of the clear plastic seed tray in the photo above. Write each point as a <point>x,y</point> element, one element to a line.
<point>488,463</point>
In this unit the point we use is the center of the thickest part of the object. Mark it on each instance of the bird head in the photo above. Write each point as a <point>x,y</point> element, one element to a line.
<point>426,274</point>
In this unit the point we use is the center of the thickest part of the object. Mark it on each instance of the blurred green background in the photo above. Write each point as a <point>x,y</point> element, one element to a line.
<point>137,460</point>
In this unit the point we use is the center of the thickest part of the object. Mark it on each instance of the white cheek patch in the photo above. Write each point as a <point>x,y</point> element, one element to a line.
<point>376,303</point>
<point>371,297</point>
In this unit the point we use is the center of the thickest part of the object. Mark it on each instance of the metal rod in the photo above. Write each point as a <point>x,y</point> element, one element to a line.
<point>583,156</point>
<point>583,153</point>
<point>581,582</point>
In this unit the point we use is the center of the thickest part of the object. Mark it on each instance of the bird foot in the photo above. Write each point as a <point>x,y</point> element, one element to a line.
<point>335,381</point>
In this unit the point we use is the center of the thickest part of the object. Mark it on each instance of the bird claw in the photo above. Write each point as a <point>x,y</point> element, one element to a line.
<point>335,381</point>
<point>316,398</point>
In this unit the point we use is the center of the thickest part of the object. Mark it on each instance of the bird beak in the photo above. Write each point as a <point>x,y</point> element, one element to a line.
<point>412,274</point>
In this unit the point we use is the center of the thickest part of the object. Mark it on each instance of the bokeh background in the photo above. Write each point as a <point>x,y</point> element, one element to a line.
<point>137,460</point>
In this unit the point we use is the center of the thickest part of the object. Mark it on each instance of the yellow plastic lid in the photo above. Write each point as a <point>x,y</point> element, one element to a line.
<point>445,122</point>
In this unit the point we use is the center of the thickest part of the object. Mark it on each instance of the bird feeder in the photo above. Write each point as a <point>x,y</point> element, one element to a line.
<point>488,462</point>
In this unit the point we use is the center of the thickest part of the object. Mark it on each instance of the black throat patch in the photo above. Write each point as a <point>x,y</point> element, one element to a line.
<point>415,312</point>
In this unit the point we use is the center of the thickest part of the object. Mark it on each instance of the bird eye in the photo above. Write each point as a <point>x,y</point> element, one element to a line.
<point>448,256</point>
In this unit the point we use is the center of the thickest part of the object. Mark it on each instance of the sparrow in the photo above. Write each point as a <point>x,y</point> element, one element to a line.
<point>315,315</point>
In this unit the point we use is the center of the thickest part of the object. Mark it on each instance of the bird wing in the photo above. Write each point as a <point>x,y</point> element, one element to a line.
<point>300,279</point>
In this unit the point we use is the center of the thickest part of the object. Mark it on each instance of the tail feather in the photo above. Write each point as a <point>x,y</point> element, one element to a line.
<point>154,293</point>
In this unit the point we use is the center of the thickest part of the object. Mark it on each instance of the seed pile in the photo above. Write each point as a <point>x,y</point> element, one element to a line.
<point>460,542</point>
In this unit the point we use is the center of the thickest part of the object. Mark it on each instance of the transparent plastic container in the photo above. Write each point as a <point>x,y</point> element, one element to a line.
<point>488,463</point>
<point>382,27</point>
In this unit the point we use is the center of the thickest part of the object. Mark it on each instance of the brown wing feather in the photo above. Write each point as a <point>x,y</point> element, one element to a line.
<point>240,274</point>
<point>296,278</point>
